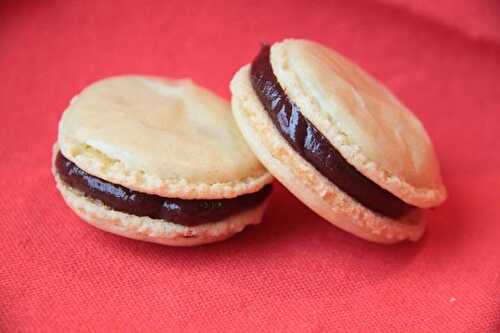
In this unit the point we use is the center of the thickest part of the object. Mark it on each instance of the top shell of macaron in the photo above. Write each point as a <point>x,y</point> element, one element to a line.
<point>166,137</point>
<point>370,127</point>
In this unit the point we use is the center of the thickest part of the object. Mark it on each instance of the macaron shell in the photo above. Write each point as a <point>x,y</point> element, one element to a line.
<point>304,181</point>
<point>170,138</point>
<point>362,119</point>
<point>153,230</point>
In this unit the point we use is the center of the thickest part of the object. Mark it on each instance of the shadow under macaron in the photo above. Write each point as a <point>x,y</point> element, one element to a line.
<point>289,230</point>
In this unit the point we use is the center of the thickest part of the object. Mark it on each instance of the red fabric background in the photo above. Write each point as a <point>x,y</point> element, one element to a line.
<point>294,272</point>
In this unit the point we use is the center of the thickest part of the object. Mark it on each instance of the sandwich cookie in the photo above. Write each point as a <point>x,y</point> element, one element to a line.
<point>158,160</point>
<point>338,140</point>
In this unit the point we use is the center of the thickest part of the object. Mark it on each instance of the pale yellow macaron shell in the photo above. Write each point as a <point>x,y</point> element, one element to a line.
<point>153,135</point>
<point>154,230</point>
<point>304,181</point>
<point>362,119</point>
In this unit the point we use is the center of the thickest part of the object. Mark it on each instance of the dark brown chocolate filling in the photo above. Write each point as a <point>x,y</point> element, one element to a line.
<point>314,147</point>
<point>180,211</point>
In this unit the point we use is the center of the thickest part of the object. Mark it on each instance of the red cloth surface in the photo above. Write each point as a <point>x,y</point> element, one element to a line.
<point>294,272</point>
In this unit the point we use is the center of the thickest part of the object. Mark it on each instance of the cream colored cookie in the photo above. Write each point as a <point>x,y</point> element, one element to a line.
<point>304,181</point>
<point>163,137</point>
<point>372,130</point>
<point>154,230</point>
<point>159,136</point>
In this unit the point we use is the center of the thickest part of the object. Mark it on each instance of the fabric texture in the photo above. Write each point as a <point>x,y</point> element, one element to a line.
<point>294,272</point>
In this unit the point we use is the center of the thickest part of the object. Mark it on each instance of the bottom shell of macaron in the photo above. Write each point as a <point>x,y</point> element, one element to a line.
<point>306,182</point>
<point>152,218</point>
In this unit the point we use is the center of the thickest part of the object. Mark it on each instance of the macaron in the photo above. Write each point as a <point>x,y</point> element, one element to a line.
<point>338,140</point>
<point>158,160</point>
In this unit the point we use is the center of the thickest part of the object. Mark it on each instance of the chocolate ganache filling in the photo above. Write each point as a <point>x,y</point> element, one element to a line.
<point>314,147</point>
<point>180,211</point>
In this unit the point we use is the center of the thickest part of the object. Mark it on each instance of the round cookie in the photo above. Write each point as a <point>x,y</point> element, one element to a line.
<point>158,160</point>
<point>338,140</point>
